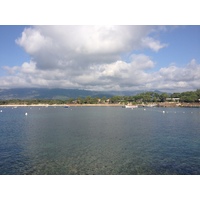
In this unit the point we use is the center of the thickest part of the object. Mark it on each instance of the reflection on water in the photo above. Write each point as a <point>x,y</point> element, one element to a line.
<point>99,140</point>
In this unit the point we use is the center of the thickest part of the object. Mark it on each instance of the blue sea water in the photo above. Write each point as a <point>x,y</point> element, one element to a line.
<point>99,140</point>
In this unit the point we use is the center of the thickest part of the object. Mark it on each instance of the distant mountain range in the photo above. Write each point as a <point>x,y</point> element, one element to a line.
<point>63,94</point>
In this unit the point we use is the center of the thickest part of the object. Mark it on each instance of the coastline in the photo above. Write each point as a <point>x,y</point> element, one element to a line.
<point>184,104</point>
<point>62,105</point>
<point>163,104</point>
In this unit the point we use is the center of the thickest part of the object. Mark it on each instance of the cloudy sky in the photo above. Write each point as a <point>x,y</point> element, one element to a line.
<point>165,58</point>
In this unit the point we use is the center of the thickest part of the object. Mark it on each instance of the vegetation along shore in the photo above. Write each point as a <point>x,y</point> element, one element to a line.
<point>184,99</point>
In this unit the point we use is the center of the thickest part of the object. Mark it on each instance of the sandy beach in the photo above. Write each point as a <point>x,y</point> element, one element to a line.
<point>164,104</point>
<point>61,105</point>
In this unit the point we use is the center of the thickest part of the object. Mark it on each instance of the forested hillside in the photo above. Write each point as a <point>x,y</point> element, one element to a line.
<point>145,97</point>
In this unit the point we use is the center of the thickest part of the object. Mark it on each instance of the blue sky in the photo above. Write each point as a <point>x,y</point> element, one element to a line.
<point>183,46</point>
<point>101,57</point>
<point>10,53</point>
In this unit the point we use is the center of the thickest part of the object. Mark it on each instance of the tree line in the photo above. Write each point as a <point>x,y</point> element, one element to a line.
<point>145,97</point>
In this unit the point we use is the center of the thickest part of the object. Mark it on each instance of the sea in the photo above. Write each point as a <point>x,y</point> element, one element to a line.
<point>99,141</point>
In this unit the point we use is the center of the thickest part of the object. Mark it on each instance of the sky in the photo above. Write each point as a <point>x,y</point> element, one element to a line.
<point>127,57</point>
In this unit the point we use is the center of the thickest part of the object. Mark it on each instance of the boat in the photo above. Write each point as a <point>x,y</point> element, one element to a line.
<point>127,106</point>
<point>67,106</point>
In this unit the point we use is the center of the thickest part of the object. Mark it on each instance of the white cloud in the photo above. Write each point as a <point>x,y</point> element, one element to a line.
<point>32,41</point>
<point>179,78</point>
<point>190,72</point>
<point>81,46</point>
<point>119,75</point>
<point>91,57</point>
<point>153,44</point>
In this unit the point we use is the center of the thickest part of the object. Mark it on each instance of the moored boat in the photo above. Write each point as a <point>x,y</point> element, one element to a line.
<point>129,106</point>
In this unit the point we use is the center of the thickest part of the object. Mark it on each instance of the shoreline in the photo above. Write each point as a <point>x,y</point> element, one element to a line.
<point>164,104</point>
<point>62,105</point>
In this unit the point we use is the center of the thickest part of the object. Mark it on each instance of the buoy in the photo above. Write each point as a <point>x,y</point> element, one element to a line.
<point>26,113</point>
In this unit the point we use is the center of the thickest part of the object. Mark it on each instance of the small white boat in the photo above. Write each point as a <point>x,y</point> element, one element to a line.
<point>127,106</point>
